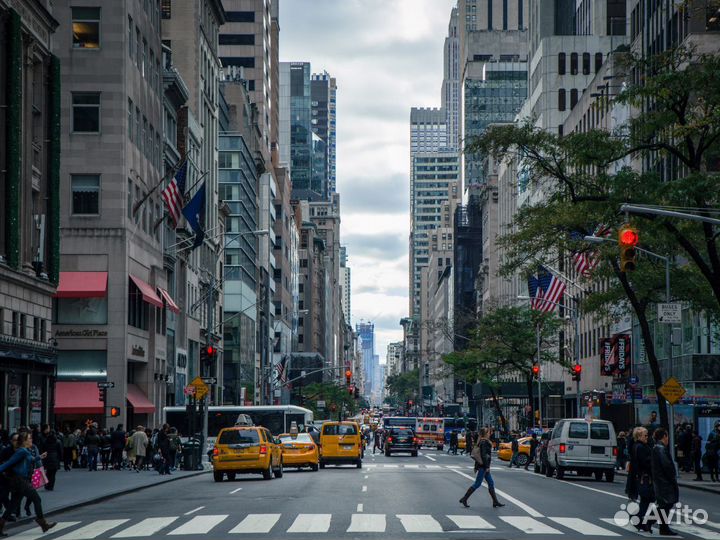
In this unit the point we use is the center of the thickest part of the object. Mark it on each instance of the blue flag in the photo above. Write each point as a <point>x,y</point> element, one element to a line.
<point>194,212</point>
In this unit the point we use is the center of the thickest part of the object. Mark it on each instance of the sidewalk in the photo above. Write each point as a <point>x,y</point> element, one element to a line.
<point>79,487</point>
<point>686,481</point>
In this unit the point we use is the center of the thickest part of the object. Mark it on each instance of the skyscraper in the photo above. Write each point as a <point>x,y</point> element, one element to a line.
<point>451,81</point>
<point>366,331</point>
<point>323,92</point>
<point>345,284</point>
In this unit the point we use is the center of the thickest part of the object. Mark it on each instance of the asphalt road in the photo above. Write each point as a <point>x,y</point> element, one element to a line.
<point>396,497</point>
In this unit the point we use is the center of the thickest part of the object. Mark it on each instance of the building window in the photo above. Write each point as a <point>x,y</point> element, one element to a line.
<point>237,39</point>
<point>520,15</point>
<point>573,97</point>
<point>166,9</point>
<point>586,63</point>
<point>138,48</point>
<point>598,61</point>
<point>561,99</point>
<point>130,119</point>
<point>505,14</point>
<point>15,331</point>
<point>573,64</point>
<point>138,309</point>
<point>138,132</point>
<point>240,61</point>
<point>561,63</point>
<point>86,27</point>
<point>81,310</point>
<point>239,16</point>
<point>144,57</point>
<point>131,45</point>
<point>86,112</point>
<point>85,193</point>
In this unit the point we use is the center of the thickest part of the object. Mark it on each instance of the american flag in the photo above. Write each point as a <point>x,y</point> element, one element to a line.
<point>545,290</point>
<point>281,372</point>
<point>586,260</point>
<point>174,194</point>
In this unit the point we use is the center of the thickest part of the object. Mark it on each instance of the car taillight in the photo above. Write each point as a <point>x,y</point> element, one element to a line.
<point>390,439</point>
<point>216,451</point>
<point>263,449</point>
<point>562,448</point>
<point>615,451</point>
<point>416,440</point>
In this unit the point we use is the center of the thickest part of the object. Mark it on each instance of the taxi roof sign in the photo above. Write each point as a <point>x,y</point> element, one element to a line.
<point>672,390</point>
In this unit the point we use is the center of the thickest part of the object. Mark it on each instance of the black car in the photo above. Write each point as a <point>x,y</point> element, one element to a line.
<point>401,439</point>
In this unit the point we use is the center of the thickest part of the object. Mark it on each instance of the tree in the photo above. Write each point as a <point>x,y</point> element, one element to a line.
<point>504,343</point>
<point>336,397</point>
<point>586,177</point>
<point>401,387</point>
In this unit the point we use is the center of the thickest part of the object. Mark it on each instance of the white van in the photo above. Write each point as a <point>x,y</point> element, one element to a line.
<point>586,447</point>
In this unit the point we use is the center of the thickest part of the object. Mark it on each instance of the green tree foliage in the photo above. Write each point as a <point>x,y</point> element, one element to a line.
<point>401,387</point>
<point>338,401</point>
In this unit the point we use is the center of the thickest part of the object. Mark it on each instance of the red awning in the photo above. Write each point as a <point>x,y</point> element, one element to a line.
<point>148,293</point>
<point>82,285</point>
<point>78,398</point>
<point>171,305</point>
<point>139,400</point>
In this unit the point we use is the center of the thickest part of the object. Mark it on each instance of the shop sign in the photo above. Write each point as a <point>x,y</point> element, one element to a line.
<point>80,333</point>
<point>137,350</point>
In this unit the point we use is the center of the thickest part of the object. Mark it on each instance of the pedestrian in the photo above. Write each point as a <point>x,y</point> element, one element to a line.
<point>710,458</point>
<point>51,462</point>
<point>482,456</point>
<point>105,449</point>
<point>377,440</point>
<point>138,442</point>
<point>533,447</point>
<point>664,479</point>
<point>621,448</point>
<point>515,448</point>
<point>151,449</point>
<point>92,446</point>
<point>163,447</point>
<point>69,446</point>
<point>685,449</point>
<point>469,440</point>
<point>117,445</point>
<point>21,466</point>
<point>6,451</point>
<point>641,471</point>
<point>453,443</point>
<point>697,452</point>
<point>174,446</point>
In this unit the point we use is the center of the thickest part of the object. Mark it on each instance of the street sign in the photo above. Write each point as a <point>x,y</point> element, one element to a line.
<point>209,380</point>
<point>633,381</point>
<point>201,389</point>
<point>670,313</point>
<point>672,390</point>
<point>108,384</point>
<point>320,404</point>
<point>189,390</point>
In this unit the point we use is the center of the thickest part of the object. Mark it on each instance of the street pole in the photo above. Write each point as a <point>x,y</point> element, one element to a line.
<point>577,352</point>
<point>668,332</point>
<point>540,412</point>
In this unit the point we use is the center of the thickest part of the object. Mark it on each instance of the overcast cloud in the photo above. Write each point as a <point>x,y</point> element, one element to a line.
<point>387,56</point>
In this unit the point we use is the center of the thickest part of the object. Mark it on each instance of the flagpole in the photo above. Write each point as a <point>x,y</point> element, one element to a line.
<point>172,172</point>
<point>203,175</point>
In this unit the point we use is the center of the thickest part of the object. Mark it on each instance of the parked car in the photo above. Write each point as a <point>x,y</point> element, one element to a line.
<point>586,447</point>
<point>401,439</point>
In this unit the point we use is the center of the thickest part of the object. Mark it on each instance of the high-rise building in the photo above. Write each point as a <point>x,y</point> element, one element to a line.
<point>323,93</point>
<point>30,198</point>
<point>366,332</point>
<point>345,285</point>
<point>451,81</point>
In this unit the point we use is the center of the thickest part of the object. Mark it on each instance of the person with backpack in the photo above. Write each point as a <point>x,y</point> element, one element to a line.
<point>482,455</point>
<point>162,443</point>
<point>710,458</point>
<point>105,449</point>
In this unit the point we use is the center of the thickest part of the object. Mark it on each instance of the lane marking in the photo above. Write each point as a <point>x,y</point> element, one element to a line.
<point>359,507</point>
<point>391,466</point>
<point>419,523</point>
<point>94,529</point>
<point>36,532</point>
<point>611,494</point>
<point>471,522</point>
<point>529,525</point>
<point>367,523</point>
<point>199,525</point>
<point>311,523</point>
<point>147,527</point>
<point>581,526</point>
<point>235,490</point>
<point>431,458</point>
<point>364,488</point>
<point>412,466</point>
<point>696,531</point>
<point>366,477</point>
<point>530,510</point>
<point>453,467</point>
<point>193,511</point>
<point>256,524</point>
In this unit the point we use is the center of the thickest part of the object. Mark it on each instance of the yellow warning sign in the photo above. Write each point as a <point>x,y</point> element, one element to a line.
<point>201,389</point>
<point>672,390</point>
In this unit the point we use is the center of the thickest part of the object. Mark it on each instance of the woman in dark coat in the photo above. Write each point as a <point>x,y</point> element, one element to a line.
<point>54,451</point>
<point>482,468</point>
<point>664,478</point>
<point>641,470</point>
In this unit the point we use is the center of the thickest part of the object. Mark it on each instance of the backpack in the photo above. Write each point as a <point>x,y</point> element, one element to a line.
<point>173,444</point>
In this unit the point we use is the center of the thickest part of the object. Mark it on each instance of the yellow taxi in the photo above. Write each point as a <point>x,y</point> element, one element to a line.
<point>505,451</point>
<point>241,450</point>
<point>299,450</point>
<point>340,443</point>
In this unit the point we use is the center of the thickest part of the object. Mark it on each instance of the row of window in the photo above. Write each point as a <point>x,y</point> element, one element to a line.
<point>574,58</point>
<point>144,135</point>
<point>19,328</point>
<point>562,97</point>
<point>145,59</point>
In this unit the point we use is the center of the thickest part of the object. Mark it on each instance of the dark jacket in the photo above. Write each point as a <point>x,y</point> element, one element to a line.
<point>514,445</point>
<point>163,443</point>
<point>92,440</point>
<point>663,476</point>
<point>117,439</point>
<point>486,453</point>
<point>22,463</point>
<point>54,450</point>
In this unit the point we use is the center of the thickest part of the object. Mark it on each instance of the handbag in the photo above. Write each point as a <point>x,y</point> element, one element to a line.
<point>39,478</point>
<point>476,454</point>
<point>645,488</point>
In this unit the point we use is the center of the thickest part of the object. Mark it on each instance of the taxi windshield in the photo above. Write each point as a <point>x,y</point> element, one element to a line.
<point>239,436</point>
<point>301,437</point>
<point>339,429</point>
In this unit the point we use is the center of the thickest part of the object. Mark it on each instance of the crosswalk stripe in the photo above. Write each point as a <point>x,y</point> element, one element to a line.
<point>36,532</point>
<point>583,527</point>
<point>311,523</point>
<point>367,523</point>
<point>453,467</point>
<point>412,466</point>
<point>433,466</point>
<point>696,531</point>
<point>419,523</point>
<point>256,523</point>
<point>93,530</point>
<point>471,522</point>
<point>387,466</point>
<point>529,525</point>
<point>628,527</point>
<point>147,527</point>
<point>199,525</point>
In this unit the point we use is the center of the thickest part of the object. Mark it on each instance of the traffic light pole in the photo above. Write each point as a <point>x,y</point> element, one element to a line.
<point>537,342</point>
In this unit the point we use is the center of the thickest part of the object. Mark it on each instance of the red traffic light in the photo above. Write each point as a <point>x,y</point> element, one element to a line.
<point>114,411</point>
<point>577,369</point>
<point>628,236</point>
<point>348,374</point>
<point>536,370</point>
<point>211,350</point>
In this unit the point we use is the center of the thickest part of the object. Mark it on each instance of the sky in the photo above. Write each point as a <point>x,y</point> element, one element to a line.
<point>387,56</point>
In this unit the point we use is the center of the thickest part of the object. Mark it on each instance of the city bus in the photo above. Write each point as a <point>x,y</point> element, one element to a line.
<point>457,424</point>
<point>276,418</point>
<point>404,421</point>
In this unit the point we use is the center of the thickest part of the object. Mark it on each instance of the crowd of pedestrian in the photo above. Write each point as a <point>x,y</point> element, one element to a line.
<point>31,457</point>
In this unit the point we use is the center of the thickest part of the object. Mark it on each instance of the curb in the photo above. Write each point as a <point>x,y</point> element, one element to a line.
<point>101,498</point>
<point>683,484</point>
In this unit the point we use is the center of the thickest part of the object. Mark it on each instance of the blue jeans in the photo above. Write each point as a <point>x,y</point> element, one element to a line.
<point>92,456</point>
<point>483,473</point>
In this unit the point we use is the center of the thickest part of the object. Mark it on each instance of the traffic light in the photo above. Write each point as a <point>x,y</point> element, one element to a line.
<point>628,239</point>
<point>536,371</point>
<point>208,354</point>
<point>356,393</point>
<point>114,411</point>
<point>576,371</point>
<point>348,376</point>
